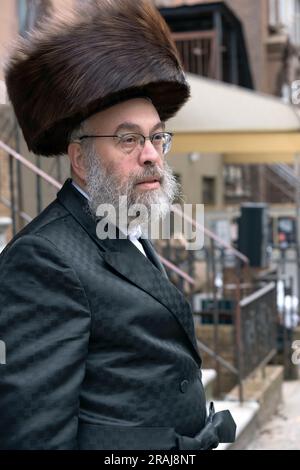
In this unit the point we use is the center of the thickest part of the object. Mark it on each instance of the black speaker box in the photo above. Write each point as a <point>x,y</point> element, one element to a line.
<point>253,233</point>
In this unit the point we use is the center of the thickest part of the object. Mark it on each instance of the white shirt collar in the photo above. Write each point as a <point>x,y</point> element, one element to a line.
<point>80,190</point>
<point>135,233</point>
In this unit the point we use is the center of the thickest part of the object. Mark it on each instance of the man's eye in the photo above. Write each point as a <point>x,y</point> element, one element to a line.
<point>157,137</point>
<point>129,139</point>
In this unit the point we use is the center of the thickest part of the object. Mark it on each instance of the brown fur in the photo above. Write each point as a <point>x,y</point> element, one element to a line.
<point>78,64</point>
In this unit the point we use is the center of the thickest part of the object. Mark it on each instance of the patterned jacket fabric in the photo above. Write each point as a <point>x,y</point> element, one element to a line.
<point>100,346</point>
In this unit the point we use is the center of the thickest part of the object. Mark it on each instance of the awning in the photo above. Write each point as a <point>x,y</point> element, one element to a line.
<point>240,123</point>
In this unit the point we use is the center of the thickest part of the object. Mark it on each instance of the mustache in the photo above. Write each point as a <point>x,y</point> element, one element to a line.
<point>151,172</point>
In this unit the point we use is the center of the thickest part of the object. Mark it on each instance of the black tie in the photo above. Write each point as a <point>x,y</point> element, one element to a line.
<point>152,255</point>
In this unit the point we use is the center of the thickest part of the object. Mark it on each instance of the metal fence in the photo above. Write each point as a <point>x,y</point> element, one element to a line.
<point>258,329</point>
<point>198,51</point>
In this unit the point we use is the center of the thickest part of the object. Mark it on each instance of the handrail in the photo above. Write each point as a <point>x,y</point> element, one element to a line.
<point>212,235</point>
<point>281,186</point>
<point>186,35</point>
<point>23,215</point>
<point>177,270</point>
<point>215,356</point>
<point>30,165</point>
<point>256,295</point>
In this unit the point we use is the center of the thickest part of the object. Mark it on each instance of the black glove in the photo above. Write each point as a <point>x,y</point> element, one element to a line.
<point>219,427</point>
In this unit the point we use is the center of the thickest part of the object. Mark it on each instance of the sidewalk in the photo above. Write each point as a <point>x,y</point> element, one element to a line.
<point>282,432</point>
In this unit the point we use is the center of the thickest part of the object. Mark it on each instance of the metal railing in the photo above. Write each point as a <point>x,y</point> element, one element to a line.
<point>258,329</point>
<point>198,52</point>
<point>286,173</point>
<point>15,184</point>
<point>284,261</point>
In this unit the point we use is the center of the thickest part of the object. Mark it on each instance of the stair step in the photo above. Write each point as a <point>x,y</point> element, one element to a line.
<point>208,380</point>
<point>244,415</point>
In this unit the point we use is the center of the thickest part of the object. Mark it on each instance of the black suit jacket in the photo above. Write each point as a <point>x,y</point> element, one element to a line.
<point>100,346</point>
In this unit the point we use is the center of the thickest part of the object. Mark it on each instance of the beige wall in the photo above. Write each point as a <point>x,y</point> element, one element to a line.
<point>192,172</point>
<point>9,25</point>
<point>254,18</point>
<point>8,29</point>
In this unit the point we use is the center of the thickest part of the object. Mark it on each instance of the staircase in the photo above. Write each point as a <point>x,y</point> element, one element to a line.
<point>262,398</point>
<point>284,179</point>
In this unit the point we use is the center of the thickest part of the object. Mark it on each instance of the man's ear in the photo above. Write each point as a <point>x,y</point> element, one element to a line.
<point>77,160</point>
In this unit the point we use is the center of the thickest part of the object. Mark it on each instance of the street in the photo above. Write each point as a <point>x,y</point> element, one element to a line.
<point>282,432</point>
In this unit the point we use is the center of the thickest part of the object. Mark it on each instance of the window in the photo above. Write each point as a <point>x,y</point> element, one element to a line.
<point>296,23</point>
<point>273,14</point>
<point>284,15</point>
<point>208,190</point>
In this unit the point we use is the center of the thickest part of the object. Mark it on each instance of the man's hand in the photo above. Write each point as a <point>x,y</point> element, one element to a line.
<point>219,428</point>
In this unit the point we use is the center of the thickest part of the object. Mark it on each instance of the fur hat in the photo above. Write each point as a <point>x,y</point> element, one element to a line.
<point>75,65</point>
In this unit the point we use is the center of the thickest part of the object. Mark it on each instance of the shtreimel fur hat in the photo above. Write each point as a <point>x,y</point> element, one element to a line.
<point>79,63</point>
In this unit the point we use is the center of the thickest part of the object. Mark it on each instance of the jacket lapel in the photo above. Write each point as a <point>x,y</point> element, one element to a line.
<point>127,260</point>
<point>152,255</point>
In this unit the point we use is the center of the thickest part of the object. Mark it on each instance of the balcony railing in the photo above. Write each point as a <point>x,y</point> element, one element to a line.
<point>198,52</point>
<point>257,328</point>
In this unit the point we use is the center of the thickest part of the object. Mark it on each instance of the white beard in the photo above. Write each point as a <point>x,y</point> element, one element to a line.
<point>104,186</point>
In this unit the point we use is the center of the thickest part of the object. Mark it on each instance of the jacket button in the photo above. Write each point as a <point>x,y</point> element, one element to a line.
<point>184,386</point>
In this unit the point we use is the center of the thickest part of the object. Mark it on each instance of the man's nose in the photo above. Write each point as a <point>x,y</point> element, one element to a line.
<point>149,154</point>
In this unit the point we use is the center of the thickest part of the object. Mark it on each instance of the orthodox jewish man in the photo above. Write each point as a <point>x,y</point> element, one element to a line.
<point>101,348</point>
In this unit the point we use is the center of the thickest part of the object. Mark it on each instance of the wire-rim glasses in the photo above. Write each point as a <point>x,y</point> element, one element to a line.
<point>129,142</point>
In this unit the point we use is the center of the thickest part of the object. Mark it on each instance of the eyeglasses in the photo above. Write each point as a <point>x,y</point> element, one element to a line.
<point>161,141</point>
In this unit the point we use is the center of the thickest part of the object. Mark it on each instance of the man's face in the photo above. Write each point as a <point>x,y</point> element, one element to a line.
<point>141,175</point>
<point>137,116</point>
